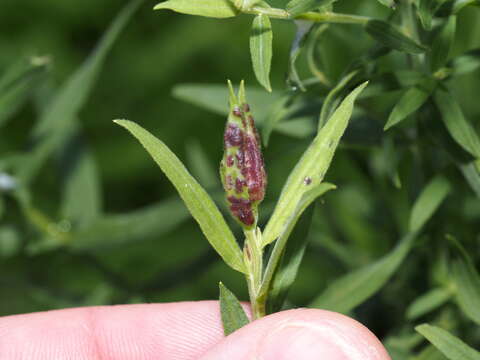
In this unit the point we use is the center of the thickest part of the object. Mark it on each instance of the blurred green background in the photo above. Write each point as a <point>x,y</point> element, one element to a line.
<point>116,232</point>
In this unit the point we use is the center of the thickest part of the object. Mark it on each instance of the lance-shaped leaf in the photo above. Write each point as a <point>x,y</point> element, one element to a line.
<point>16,84</point>
<point>458,5</point>
<point>349,291</point>
<point>457,125</point>
<point>428,202</point>
<point>450,346</point>
<point>58,119</point>
<point>233,315</point>
<point>312,167</point>
<point>442,46</point>
<point>333,98</point>
<point>428,302</point>
<point>390,36</point>
<point>201,206</point>
<point>297,7</point>
<point>208,8</point>
<point>467,285</point>
<point>261,49</point>
<point>288,251</point>
<point>304,29</point>
<point>410,102</point>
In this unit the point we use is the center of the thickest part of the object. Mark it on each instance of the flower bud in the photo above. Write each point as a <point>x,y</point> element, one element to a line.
<point>242,170</point>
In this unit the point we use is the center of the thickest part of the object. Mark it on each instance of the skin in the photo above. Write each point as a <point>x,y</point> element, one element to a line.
<point>181,331</point>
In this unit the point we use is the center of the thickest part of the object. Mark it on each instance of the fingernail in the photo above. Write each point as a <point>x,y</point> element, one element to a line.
<point>301,342</point>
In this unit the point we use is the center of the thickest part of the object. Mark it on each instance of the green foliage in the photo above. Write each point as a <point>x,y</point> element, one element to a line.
<point>452,347</point>
<point>233,315</point>
<point>86,219</point>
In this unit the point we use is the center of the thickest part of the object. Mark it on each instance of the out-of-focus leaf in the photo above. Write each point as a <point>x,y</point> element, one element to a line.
<point>334,97</point>
<point>311,168</point>
<point>312,54</point>
<point>297,7</point>
<point>200,204</point>
<point>452,347</point>
<point>55,123</point>
<point>215,98</point>
<point>471,173</point>
<point>82,191</point>
<point>389,3</point>
<point>410,102</point>
<point>299,128</point>
<point>288,251</point>
<point>466,63</point>
<point>208,8</point>
<point>426,10</point>
<point>428,302</point>
<point>261,49</point>
<point>430,352</point>
<point>201,166</point>
<point>303,30</point>
<point>114,230</point>
<point>10,241</point>
<point>233,315</point>
<point>467,285</point>
<point>460,4</point>
<point>458,127</point>
<point>278,112</point>
<point>428,202</point>
<point>442,46</point>
<point>16,84</point>
<point>351,290</point>
<point>390,36</point>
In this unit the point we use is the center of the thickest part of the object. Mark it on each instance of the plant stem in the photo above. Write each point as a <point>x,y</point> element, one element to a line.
<point>325,17</point>
<point>253,254</point>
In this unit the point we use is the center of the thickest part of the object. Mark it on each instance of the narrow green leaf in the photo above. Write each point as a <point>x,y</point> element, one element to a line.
<point>350,290</point>
<point>55,123</point>
<point>430,352</point>
<point>286,256</point>
<point>304,28</point>
<point>201,165</point>
<point>81,203</point>
<point>233,315</point>
<point>471,173</point>
<point>390,36</point>
<point>279,111</point>
<point>297,7</point>
<point>410,102</point>
<point>114,230</point>
<point>426,10</point>
<point>458,127</point>
<point>428,202</point>
<point>428,302</point>
<point>289,262</point>
<point>261,49</point>
<point>442,46</point>
<point>311,168</point>
<point>334,97</point>
<point>16,84</point>
<point>201,206</point>
<point>208,8</point>
<point>452,347</point>
<point>467,284</point>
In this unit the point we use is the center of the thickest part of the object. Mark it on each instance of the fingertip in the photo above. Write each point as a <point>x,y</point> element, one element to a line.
<point>301,334</point>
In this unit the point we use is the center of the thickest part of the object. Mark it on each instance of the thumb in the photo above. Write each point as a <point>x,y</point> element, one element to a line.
<point>300,334</point>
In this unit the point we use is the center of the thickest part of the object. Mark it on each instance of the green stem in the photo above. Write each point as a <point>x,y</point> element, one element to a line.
<point>253,254</point>
<point>334,18</point>
<point>325,17</point>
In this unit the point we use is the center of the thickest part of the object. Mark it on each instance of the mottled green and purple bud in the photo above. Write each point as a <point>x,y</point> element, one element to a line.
<point>242,169</point>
